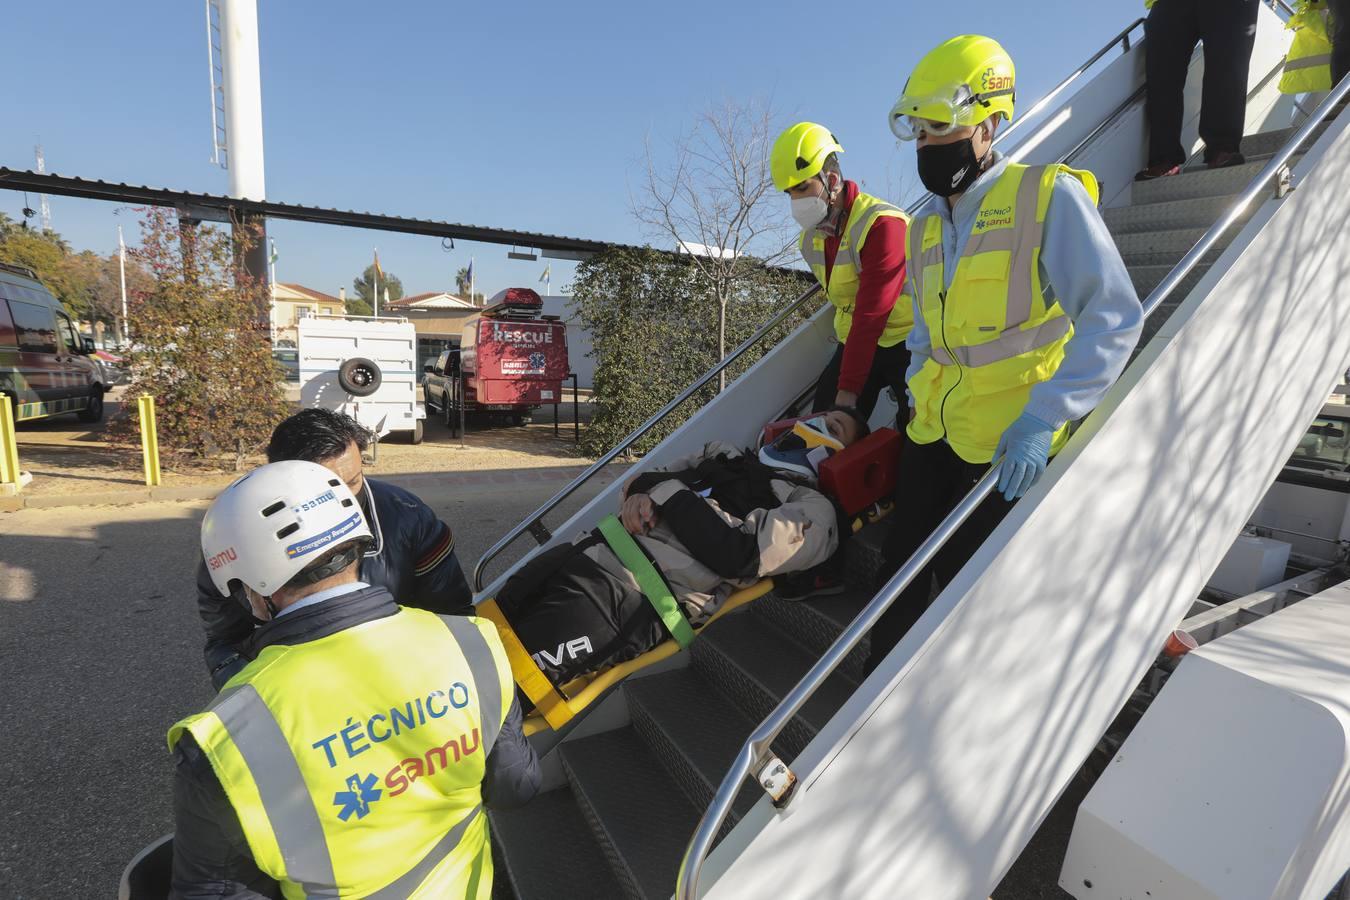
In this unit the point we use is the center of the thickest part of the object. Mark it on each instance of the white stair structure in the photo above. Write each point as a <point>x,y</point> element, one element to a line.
<point>1243,821</point>
<point>934,774</point>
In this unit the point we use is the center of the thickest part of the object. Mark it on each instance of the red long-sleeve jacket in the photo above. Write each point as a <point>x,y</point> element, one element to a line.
<point>881,279</point>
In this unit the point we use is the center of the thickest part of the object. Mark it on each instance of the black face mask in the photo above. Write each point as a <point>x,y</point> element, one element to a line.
<point>947,169</point>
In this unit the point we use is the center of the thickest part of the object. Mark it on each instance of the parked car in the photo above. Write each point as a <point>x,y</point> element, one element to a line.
<point>45,366</point>
<point>290,361</point>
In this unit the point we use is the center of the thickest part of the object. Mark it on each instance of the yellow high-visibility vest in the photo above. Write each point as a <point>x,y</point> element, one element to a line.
<point>1307,67</point>
<point>992,337</point>
<point>842,284</point>
<point>355,761</point>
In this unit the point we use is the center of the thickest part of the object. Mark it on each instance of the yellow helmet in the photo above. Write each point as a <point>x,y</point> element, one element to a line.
<point>960,82</point>
<point>800,153</point>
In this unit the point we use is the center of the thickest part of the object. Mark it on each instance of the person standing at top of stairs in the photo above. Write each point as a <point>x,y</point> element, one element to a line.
<point>1024,331</point>
<point>1228,30</point>
<point>1319,54</point>
<point>855,246</point>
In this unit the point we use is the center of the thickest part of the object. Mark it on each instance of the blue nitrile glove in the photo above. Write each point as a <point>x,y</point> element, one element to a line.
<point>1025,447</point>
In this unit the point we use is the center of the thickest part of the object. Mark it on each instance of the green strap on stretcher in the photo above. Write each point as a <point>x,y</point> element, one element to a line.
<point>652,585</point>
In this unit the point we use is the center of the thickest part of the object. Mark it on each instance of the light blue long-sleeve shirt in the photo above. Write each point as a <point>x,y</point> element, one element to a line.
<point>1079,267</point>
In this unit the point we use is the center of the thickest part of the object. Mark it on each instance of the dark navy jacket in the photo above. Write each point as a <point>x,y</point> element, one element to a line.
<point>211,855</point>
<point>416,563</point>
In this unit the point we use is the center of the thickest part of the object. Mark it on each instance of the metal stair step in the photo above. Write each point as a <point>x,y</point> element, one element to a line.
<point>1171,241</point>
<point>862,556</point>
<point>693,730</point>
<point>816,621</point>
<point>755,665</point>
<point>549,827</point>
<point>1169,259</point>
<point>1267,143</point>
<point>639,816</point>
<point>1146,278</point>
<point>1203,182</point>
<point>1198,212</point>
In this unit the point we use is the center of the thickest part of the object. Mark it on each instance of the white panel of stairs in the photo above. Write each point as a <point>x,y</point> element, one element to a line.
<point>932,779</point>
<point>1236,782</point>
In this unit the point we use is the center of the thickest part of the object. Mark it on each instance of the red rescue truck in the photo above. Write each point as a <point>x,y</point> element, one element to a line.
<point>511,359</point>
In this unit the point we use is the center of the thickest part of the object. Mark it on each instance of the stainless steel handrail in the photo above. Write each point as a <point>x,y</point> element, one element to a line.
<point>756,755</point>
<point>530,523</point>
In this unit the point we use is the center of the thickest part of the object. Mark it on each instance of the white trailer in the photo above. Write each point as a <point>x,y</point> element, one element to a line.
<point>363,366</point>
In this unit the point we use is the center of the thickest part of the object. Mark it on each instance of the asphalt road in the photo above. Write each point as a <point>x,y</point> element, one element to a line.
<point>100,651</point>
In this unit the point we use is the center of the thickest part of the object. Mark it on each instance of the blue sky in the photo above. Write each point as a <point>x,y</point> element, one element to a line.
<point>520,115</point>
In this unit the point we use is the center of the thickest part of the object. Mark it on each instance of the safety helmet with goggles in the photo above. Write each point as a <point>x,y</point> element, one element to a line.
<point>799,154</point>
<point>958,84</point>
<point>278,524</point>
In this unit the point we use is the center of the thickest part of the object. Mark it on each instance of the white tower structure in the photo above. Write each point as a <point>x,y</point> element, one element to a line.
<point>43,204</point>
<point>242,83</point>
<point>236,109</point>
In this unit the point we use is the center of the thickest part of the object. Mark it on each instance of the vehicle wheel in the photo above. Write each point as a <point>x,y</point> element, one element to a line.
<point>447,414</point>
<point>518,420</point>
<point>417,432</point>
<point>359,377</point>
<point>94,411</point>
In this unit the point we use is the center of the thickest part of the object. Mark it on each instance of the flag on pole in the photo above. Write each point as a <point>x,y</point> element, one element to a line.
<point>379,273</point>
<point>544,277</point>
<point>468,275</point>
<point>272,260</point>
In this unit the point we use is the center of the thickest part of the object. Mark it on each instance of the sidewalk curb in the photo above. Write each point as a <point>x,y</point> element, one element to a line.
<point>110,498</point>
<point>409,480</point>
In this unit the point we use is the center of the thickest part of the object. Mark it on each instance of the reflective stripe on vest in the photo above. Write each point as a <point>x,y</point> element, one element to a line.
<point>295,822</point>
<point>975,383</point>
<point>1308,62</point>
<point>841,287</point>
<point>285,803</point>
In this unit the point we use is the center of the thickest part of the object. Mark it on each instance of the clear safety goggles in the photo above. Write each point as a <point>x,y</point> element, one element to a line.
<point>936,116</point>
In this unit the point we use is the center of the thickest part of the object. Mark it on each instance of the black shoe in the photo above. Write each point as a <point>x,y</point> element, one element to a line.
<point>800,585</point>
<point>1157,170</point>
<point>1225,158</point>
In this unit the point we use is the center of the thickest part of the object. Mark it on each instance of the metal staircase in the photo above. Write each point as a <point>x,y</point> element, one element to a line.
<point>633,795</point>
<point>1168,215</point>
<point>925,783</point>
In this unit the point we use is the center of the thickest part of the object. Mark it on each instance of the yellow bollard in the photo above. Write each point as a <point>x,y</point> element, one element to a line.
<point>145,405</point>
<point>9,447</point>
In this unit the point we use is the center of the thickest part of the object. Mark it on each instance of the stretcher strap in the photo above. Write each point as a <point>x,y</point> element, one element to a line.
<point>527,674</point>
<point>653,586</point>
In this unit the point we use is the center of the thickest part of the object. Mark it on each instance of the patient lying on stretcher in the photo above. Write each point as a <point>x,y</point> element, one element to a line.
<point>711,523</point>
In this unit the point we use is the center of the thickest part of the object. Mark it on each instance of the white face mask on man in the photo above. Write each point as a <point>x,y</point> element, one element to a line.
<point>809,211</point>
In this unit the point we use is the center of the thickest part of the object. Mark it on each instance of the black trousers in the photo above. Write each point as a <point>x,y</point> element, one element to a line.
<point>888,370</point>
<point>1228,29</point>
<point>932,481</point>
<point>1340,39</point>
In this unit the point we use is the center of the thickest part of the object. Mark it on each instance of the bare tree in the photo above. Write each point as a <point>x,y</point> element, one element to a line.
<point>716,200</point>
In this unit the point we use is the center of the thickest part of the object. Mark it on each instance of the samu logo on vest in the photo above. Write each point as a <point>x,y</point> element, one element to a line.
<point>998,217</point>
<point>356,800</point>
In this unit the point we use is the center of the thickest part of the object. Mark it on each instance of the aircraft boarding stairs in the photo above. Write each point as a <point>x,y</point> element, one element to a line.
<point>619,824</point>
<point>922,780</point>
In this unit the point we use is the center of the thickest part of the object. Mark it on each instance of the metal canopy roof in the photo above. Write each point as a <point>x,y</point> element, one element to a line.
<point>216,207</point>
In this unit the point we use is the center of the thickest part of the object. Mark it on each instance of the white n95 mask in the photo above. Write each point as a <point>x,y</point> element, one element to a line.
<point>809,211</point>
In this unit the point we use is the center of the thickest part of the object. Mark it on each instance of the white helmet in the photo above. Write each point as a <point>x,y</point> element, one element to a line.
<point>273,523</point>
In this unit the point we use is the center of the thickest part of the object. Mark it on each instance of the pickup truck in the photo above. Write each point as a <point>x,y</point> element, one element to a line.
<point>437,389</point>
